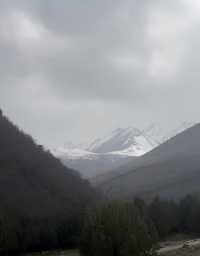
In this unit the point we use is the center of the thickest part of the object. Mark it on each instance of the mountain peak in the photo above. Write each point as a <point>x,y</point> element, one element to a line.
<point>121,139</point>
<point>170,170</point>
<point>110,151</point>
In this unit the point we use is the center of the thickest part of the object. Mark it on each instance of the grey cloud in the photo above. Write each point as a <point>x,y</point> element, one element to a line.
<point>119,61</point>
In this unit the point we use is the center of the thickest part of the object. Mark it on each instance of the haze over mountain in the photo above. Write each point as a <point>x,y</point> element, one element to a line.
<point>105,153</point>
<point>114,149</point>
<point>171,170</point>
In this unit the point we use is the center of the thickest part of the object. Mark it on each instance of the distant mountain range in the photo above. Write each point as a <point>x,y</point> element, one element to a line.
<point>115,149</point>
<point>171,170</point>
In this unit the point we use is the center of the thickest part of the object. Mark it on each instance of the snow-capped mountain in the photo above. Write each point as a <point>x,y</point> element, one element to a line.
<point>105,153</point>
<point>134,142</point>
<point>170,170</point>
<point>130,141</point>
<point>108,152</point>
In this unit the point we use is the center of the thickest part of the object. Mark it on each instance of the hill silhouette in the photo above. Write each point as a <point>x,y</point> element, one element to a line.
<point>41,200</point>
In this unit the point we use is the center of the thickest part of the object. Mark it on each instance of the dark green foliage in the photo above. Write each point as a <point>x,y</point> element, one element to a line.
<point>189,214</point>
<point>41,200</point>
<point>164,215</point>
<point>170,217</point>
<point>117,229</point>
<point>123,229</point>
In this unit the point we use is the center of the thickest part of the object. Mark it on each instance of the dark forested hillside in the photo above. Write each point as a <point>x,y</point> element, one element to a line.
<point>41,200</point>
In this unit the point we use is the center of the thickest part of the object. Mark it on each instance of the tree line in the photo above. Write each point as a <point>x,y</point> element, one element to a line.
<point>134,228</point>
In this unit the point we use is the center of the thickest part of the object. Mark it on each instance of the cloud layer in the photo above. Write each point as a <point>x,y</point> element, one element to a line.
<point>74,69</point>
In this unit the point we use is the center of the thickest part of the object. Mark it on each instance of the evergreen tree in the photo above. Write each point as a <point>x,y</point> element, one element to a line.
<point>117,229</point>
<point>164,215</point>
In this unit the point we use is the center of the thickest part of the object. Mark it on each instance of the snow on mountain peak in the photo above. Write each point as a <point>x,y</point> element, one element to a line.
<point>128,141</point>
<point>122,140</point>
<point>115,149</point>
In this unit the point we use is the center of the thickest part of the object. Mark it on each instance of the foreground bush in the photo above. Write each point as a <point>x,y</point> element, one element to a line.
<point>117,229</point>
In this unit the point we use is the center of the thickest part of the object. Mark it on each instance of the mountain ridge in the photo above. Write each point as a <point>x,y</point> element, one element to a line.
<point>113,150</point>
<point>161,171</point>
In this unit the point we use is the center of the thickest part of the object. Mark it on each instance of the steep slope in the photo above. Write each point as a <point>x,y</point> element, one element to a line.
<point>170,170</point>
<point>36,188</point>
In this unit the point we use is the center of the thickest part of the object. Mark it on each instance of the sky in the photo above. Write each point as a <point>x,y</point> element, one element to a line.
<point>71,70</point>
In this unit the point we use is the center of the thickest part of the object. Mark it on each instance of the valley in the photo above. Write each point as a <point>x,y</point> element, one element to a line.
<point>51,206</point>
<point>99,128</point>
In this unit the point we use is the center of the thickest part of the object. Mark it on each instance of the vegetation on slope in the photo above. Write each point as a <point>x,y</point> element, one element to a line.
<point>41,200</point>
<point>134,228</point>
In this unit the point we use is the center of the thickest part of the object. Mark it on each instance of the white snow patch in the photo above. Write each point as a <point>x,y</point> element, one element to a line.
<point>74,153</point>
<point>141,147</point>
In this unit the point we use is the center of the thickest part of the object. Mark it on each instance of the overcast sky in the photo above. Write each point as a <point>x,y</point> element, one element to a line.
<point>73,69</point>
